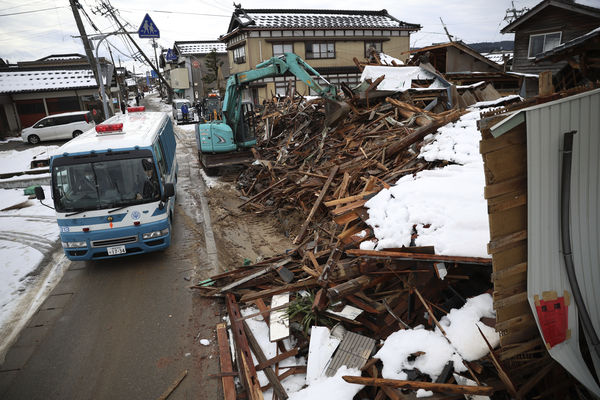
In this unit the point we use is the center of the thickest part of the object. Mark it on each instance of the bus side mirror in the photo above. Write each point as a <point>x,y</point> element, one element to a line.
<point>169,191</point>
<point>39,193</point>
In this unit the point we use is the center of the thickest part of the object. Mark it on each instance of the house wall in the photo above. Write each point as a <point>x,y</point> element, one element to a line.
<point>43,104</point>
<point>551,19</point>
<point>259,47</point>
<point>457,61</point>
<point>179,78</point>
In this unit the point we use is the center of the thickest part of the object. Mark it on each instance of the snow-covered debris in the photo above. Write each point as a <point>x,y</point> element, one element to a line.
<point>17,161</point>
<point>461,325</point>
<point>389,60</point>
<point>463,342</point>
<point>396,79</point>
<point>445,206</point>
<point>331,388</point>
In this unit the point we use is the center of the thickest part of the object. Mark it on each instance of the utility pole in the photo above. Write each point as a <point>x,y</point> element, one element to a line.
<point>169,89</point>
<point>84,38</point>
<point>446,30</point>
<point>156,61</point>
<point>513,14</point>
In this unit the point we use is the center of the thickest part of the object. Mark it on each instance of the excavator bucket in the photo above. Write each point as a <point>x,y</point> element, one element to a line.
<point>335,111</point>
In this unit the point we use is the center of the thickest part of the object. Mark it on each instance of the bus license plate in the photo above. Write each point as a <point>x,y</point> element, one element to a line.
<point>115,250</point>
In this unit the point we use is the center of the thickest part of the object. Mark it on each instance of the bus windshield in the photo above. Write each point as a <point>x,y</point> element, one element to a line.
<point>104,184</point>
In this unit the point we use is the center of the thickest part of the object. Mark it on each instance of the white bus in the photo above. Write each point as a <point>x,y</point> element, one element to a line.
<point>113,187</point>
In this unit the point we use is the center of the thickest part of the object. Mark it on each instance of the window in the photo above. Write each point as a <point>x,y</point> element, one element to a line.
<point>280,48</point>
<point>378,46</point>
<point>544,42</point>
<point>239,55</point>
<point>320,50</point>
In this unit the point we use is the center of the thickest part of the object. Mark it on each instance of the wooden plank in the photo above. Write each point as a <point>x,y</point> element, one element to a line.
<point>260,356</point>
<point>510,387</point>
<point>247,370</point>
<point>515,323</point>
<point>348,207</point>
<point>251,199</point>
<point>315,263</point>
<point>285,288</point>
<point>515,136</point>
<point>511,300</point>
<point>276,359</point>
<point>415,385</point>
<point>506,202</point>
<point>397,255</point>
<point>497,244</point>
<point>510,271</point>
<point>350,199</point>
<point>316,205</point>
<point>518,184</point>
<point>225,362</point>
<point>279,327</point>
<point>522,348</point>
<point>173,386</point>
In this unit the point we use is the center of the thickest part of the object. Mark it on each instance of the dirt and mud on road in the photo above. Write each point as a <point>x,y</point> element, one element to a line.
<point>242,235</point>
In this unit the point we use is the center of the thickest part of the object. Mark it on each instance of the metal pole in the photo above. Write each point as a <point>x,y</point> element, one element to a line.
<point>156,61</point>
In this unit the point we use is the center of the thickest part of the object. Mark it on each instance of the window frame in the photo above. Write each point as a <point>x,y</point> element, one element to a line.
<point>283,44</point>
<point>241,58</point>
<point>373,42</point>
<point>544,44</point>
<point>319,42</point>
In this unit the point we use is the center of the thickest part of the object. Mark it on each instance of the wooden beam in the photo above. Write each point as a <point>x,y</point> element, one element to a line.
<point>285,288</point>
<point>276,359</point>
<point>173,386</point>
<point>397,255</point>
<point>225,361</point>
<point>415,385</point>
<point>334,171</point>
<point>262,359</point>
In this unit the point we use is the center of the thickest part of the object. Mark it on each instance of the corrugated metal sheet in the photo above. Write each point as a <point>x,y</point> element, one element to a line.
<point>546,125</point>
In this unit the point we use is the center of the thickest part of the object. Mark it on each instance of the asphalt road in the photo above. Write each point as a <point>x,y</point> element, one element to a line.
<point>125,328</point>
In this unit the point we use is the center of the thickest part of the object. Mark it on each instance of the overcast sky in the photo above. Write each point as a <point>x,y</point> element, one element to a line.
<point>32,29</point>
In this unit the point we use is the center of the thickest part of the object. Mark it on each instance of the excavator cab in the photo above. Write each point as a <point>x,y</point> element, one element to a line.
<point>245,134</point>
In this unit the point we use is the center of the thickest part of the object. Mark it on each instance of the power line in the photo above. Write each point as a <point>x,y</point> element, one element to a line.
<point>175,12</point>
<point>32,11</point>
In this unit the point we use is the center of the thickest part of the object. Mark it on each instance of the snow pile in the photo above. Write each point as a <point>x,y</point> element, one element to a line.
<point>398,347</point>
<point>17,161</point>
<point>465,342</point>
<point>461,325</point>
<point>396,79</point>
<point>445,206</point>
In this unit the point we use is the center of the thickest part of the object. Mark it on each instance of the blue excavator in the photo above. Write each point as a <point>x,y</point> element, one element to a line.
<point>229,140</point>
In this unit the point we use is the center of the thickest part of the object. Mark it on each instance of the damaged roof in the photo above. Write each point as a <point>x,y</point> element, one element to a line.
<point>315,19</point>
<point>463,48</point>
<point>45,80</point>
<point>566,5</point>
<point>200,47</point>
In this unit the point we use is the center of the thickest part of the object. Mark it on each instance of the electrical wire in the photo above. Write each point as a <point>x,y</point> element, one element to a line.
<point>176,12</point>
<point>32,11</point>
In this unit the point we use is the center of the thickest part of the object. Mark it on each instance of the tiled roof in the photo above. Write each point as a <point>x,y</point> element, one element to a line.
<point>315,19</point>
<point>43,80</point>
<point>200,47</point>
<point>498,58</point>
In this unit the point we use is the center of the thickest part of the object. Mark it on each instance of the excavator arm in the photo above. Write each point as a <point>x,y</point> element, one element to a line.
<point>275,66</point>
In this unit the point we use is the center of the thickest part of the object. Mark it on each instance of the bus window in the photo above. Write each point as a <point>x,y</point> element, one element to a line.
<point>160,158</point>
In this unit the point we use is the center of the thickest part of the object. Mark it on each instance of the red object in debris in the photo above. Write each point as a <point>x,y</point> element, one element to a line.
<point>102,128</point>
<point>553,317</point>
<point>136,109</point>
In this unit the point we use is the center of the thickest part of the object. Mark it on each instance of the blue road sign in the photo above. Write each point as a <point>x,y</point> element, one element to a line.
<point>148,30</point>
<point>170,55</point>
<point>153,74</point>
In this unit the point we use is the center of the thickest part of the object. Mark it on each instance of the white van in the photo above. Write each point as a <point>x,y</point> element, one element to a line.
<point>58,126</point>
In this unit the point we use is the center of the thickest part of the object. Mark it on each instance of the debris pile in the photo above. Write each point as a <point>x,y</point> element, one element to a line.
<point>356,306</point>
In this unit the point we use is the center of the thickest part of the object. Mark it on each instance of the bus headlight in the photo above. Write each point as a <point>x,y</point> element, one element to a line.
<point>155,234</point>
<point>69,245</point>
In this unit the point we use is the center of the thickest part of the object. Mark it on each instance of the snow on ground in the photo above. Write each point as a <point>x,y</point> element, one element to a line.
<point>464,342</point>
<point>16,161</point>
<point>156,102</point>
<point>28,234</point>
<point>445,205</point>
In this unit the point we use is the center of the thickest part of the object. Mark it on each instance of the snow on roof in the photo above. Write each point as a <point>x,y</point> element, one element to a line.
<point>396,78</point>
<point>33,81</point>
<point>498,58</point>
<point>139,129</point>
<point>320,19</point>
<point>201,47</point>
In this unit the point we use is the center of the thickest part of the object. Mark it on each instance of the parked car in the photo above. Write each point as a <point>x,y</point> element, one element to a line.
<point>58,126</point>
<point>177,115</point>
